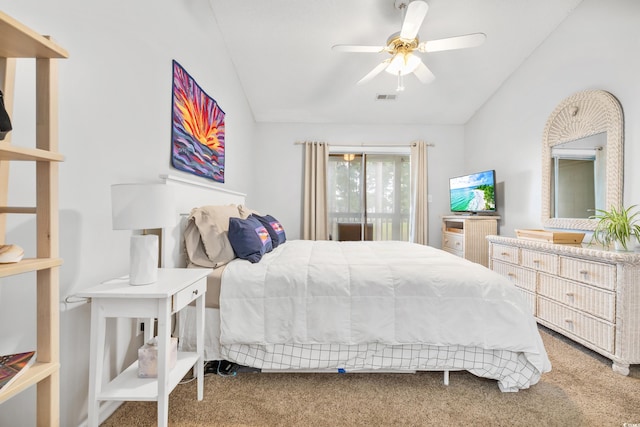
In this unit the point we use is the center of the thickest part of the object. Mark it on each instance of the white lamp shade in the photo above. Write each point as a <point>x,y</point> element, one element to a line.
<point>142,206</point>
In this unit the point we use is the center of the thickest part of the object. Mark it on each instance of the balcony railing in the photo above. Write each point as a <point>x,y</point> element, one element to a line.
<point>385,226</point>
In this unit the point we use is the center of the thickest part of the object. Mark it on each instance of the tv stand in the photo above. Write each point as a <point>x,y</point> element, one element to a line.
<point>465,235</point>
<point>477,214</point>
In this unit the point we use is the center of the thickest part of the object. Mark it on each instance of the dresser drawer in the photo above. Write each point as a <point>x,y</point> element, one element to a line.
<point>188,294</point>
<point>530,299</point>
<point>596,331</point>
<point>539,261</point>
<point>520,277</point>
<point>505,253</point>
<point>453,251</point>
<point>452,241</point>
<point>595,301</point>
<point>592,273</point>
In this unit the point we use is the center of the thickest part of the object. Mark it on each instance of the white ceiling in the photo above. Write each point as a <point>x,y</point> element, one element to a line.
<point>282,52</point>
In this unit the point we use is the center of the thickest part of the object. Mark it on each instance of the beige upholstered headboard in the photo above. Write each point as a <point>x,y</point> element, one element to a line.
<point>190,194</point>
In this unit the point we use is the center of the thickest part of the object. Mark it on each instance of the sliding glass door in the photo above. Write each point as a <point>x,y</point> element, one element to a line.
<point>368,196</point>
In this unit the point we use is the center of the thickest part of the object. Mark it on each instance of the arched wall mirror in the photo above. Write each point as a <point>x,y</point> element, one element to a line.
<point>582,160</point>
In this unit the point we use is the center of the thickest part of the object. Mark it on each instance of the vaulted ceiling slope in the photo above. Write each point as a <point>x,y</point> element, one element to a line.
<point>282,52</point>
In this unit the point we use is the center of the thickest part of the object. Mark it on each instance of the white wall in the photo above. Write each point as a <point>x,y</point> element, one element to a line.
<point>594,48</point>
<point>279,173</point>
<point>115,126</point>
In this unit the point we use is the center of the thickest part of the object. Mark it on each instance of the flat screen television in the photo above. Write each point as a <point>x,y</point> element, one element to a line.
<point>473,193</point>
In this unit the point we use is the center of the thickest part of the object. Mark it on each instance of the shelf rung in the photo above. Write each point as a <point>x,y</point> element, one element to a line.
<point>33,375</point>
<point>20,41</point>
<point>17,210</point>
<point>12,152</point>
<point>27,265</point>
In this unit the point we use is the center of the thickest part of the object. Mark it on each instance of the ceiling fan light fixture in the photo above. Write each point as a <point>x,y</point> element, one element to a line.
<point>403,64</point>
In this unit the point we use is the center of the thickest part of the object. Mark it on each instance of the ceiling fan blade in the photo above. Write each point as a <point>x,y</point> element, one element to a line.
<point>416,12</point>
<point>458,42</point>
<point>423,73</point>
<point>377,70</point>
<point>358,48</point>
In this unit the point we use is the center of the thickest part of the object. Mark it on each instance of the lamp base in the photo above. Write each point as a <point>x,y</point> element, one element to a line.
<point>143,261</point>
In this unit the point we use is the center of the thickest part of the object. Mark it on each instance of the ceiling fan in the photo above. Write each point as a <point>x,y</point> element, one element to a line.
<point>403,45</point>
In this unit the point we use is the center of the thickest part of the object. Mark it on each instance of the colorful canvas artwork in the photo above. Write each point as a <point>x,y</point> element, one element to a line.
<point>197,133</point>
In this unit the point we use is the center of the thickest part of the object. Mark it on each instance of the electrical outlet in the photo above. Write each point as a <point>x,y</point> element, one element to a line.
<point>139,327</point>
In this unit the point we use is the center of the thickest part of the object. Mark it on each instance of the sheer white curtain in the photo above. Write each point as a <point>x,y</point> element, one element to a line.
<point>419,221</point>
<point>315,224</point>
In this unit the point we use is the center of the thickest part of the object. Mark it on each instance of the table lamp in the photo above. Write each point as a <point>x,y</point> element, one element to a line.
<point>142,207</point>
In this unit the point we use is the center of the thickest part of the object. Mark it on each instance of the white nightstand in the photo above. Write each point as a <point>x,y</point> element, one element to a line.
<point>175,288</point>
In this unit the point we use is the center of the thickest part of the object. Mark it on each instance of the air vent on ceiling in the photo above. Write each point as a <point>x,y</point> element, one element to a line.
<point>385,97</point>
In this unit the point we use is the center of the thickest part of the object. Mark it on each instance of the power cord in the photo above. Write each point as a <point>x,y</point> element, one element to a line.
<point>73,299</point>
<point>222,368</point>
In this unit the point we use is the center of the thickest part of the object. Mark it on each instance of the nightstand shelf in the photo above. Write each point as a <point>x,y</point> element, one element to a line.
<point>128,386</point>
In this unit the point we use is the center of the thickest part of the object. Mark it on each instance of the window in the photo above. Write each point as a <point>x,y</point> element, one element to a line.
<point>369,196</point>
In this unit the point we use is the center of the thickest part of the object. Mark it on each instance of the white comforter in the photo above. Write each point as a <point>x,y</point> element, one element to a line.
<point>310,292</point>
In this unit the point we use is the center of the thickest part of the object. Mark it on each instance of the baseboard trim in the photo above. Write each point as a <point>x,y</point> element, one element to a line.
<point>106,410</point>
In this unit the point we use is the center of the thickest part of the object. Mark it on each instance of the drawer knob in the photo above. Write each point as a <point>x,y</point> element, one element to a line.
<point>569,294</point>
<point>511,275</point>
<point>536,261</point>
<point>569,321</point>
<point>505,254</point>
<point>195,292</point>
<point>584,272</point>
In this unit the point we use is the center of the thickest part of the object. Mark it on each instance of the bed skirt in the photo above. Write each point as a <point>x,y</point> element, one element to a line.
<point>511,369</point>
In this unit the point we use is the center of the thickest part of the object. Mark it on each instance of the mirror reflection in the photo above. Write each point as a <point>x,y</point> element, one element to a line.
<point>578,177</point>
<point>581,182</point>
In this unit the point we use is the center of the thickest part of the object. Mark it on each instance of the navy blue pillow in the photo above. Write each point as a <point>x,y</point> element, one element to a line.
<point>273,226</point>
<point>249,238</point>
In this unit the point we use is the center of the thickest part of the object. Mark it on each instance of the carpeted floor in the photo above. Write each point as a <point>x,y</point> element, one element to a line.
<point>581,390</point>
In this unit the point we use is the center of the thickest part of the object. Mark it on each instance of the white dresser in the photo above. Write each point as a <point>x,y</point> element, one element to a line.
<point>586,293</point>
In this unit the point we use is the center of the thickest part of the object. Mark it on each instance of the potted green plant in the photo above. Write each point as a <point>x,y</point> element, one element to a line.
<point>616,226</point>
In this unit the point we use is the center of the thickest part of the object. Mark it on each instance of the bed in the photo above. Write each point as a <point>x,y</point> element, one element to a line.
<point>329,306</point>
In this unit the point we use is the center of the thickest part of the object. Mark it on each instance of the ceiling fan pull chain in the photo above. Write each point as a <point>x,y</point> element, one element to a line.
<point>400,87</point>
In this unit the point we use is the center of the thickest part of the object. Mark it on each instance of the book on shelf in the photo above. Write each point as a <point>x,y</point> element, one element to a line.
<point>13,365</point>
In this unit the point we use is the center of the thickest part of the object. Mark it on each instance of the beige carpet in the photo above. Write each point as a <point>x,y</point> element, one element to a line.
<point>581,390</point>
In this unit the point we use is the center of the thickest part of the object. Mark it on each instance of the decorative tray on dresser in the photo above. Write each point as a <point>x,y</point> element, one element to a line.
<point>585,292</point>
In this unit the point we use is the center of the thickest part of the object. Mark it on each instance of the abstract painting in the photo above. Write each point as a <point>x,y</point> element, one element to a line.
<point>197,132</point>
